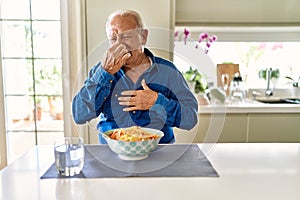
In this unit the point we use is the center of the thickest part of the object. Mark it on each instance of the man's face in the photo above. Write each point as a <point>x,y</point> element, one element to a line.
<point>124,30</point>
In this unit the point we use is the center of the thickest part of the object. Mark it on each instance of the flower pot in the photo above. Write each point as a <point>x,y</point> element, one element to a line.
<point>202,99</point>
<point>59,116</point>
<point>38,113</point>
<point>296,92</point>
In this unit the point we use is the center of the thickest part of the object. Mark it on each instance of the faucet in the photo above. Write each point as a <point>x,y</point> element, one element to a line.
<point>269,91</point>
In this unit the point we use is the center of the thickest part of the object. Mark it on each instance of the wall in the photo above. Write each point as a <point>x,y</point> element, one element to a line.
<point>73,59</point>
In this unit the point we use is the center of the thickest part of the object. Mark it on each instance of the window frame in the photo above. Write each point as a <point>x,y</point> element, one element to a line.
<point>6,130</point>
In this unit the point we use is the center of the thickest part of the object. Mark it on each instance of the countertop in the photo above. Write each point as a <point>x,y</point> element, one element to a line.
<point>247,171</point>
<point>249,106</point>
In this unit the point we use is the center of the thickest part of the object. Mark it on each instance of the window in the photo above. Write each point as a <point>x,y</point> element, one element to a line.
<point>32,73</point>
<point>254,49</point>
<point>253,57</point>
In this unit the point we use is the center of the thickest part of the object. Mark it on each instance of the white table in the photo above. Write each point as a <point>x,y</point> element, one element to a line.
<point>247,171</point>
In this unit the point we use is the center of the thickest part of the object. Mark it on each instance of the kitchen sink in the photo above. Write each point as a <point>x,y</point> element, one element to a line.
<point>278,100</point>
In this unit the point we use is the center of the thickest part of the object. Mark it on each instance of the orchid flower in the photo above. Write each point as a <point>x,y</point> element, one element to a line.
<point>203,37</point>
<point>208,39</point>
<point>176,33</point>
<point>186,33</point>
<point>276,46</point>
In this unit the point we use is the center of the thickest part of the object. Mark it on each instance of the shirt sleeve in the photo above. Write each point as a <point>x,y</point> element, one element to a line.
<point>177,110</point>
<point>84,102</point>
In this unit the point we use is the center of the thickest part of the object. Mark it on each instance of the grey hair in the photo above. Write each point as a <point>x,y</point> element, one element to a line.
<point>126,12</point>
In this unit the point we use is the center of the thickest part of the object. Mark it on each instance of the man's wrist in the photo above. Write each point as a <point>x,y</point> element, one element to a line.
<point>102,76</point>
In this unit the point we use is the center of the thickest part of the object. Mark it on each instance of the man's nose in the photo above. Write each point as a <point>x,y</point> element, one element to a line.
<point>120,40</point>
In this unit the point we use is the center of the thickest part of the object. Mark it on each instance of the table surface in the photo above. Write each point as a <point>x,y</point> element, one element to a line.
<point>247,171</point>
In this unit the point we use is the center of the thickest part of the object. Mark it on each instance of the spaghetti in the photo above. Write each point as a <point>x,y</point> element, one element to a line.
<point>132,134</point>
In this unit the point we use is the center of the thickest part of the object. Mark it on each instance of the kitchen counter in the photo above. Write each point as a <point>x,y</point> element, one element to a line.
<point>247,171</point>
<point>253,105</point>
<point>250,106</point>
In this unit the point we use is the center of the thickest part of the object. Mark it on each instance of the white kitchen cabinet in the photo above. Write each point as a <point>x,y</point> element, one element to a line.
<point>233,129</point>
<point>216,128</point>
<point>243,127</point>
<point>275,127</point>
<point>237,12</point>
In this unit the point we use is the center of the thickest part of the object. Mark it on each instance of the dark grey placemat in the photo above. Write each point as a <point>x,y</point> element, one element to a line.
<point>166,161</point>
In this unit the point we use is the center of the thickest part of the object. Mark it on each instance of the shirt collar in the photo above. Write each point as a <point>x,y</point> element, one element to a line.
<point>149,54</point>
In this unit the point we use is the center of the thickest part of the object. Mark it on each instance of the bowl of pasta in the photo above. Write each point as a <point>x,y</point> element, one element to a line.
<point>133,143</point>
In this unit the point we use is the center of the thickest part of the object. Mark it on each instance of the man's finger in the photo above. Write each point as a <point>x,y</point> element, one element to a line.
<point>125,57</point>
<point>130,108</point>
<point>128,92</point>
<point>126,103</point>
<point>118,49</point>
<point>131,99</point>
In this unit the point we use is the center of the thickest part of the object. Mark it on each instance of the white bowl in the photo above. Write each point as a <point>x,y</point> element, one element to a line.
<point>133,150</point>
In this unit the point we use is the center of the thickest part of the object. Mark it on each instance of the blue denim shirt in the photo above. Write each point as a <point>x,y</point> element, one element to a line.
<point>176,106</point>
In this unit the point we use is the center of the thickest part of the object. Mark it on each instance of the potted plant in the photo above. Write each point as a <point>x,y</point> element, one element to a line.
<point>37,111</point>
<point>197,84</point>
<point>195,80</point>
<point>296,86</point>
<point>274,75</point>
<point>49,79</point>
<point>295,83</point>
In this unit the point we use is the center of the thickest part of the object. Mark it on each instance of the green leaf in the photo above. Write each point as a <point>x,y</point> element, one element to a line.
<point>195,76</point>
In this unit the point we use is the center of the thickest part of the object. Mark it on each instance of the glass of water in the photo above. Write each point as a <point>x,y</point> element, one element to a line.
<point>69,155</point>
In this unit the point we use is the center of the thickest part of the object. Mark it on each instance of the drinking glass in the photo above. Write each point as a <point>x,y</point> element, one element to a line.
<point>69,155</point>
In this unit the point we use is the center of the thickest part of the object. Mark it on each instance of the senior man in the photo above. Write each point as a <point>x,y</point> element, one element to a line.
<point>132,87</point>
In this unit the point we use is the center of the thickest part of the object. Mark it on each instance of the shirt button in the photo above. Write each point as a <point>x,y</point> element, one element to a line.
<point>104,98</point>
<point>116,95</point>
<point>110,81</point>
<point>133,112</point>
